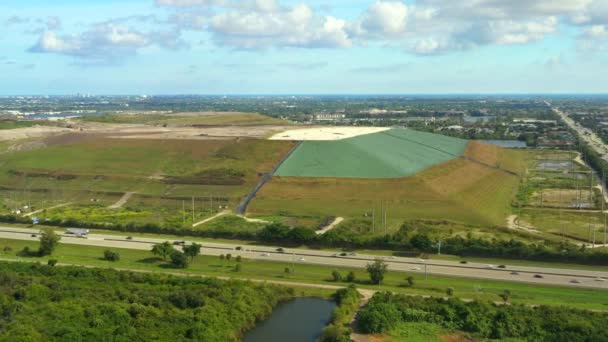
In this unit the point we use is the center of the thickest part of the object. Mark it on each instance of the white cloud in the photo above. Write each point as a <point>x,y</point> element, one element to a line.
<point>189,3</point>
<point>597,31</point>
<point>107,41</point>
<point>296,26</point>
<point>385,17</point>
<point>423,27</point>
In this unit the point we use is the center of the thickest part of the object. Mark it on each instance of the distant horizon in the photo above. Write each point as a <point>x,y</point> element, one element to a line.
<point>85,95</point>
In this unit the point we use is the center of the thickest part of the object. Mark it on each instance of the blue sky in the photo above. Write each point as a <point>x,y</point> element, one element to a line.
<point>300,47</point>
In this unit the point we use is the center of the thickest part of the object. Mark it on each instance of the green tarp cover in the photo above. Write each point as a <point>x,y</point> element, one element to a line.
<point>394,153</point>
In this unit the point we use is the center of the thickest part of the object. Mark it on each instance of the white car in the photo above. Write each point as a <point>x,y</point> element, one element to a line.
<point>489,266</point>
<point>600,279</point>
<point>416,269</point>
<point>302,259</point>
<point>265,254</point>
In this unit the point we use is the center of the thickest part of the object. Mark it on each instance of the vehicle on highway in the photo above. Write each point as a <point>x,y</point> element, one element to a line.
<point>416,269</point>
<point>179,243</point>
<point>264,254</point>
<point>539,276</point>
<point>343,254</point>
<point>34,235</point>
<point>281,250</point>
<point>600,279</point>
<point>129,238</point>
<point>490,266</point>
<point>514,273</point>
<point>352,254</point>
<point>575,281</point>
<point>238,248</point>
<point>502,266</point>
<point>301,259</point>
<point>464,262</point>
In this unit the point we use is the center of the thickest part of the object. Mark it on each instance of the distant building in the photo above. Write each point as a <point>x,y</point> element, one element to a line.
<point>535,121</point>
<point>329,116</point>
<point>454,128</point>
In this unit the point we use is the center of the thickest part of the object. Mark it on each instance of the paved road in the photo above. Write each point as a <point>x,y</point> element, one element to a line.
<point>550,276</point>
<point>584,133</point>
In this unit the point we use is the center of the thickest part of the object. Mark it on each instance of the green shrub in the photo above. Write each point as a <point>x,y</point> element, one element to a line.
<point>109,255</point>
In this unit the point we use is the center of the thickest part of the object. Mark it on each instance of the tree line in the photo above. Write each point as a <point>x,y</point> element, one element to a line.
<point>484,320</point>
<point>46,303</point>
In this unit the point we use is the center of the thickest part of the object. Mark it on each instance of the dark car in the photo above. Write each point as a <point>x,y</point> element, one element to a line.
<point>464,262</point>
<point>238,248</point>
<point>502,266</point>
<point>129,238</point>
<point>281,250</point>
<point>343,254</point>
<point>538,276</point>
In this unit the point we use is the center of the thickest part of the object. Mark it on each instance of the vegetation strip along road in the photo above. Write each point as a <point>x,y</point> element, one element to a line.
<point>579,278</point>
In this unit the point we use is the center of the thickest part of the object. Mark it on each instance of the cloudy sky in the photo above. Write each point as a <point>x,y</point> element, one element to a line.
<point>303,47</point>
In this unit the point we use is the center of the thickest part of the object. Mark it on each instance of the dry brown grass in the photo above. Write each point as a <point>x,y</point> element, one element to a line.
<point>484,153</point>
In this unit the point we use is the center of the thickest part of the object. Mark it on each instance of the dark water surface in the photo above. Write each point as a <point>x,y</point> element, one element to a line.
<point>507,143</point>
<point>300,320</point>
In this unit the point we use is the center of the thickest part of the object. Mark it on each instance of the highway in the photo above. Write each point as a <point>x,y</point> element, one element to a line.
<point>584,133</point>
<point>528,274</point>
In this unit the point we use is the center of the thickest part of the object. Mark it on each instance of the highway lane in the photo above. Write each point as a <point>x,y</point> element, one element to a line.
<point>584,133</point>
<point>549,276</point>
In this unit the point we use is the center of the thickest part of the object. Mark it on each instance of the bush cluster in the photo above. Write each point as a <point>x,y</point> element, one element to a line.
<point>484,320</point>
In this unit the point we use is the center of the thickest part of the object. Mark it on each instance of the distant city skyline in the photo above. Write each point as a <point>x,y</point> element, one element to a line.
<point>303,47</point>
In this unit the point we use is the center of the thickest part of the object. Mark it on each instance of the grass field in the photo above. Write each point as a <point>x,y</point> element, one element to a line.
<point>571,224</point>
<point>314,274</point>
<point>458,190</point>
<point>163,174</point>
<point>12,124</point>
<point>189,119</point>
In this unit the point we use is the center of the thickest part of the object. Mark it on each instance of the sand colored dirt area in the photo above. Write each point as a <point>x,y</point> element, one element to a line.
<point>326,133</point>
<point>140,131</point>
<point>31,132</point>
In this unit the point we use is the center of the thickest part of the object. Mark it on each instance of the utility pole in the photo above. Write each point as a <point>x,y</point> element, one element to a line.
<point>439,247</point>
<point>192,209</point>
<point>183,212</point>
<point>381,214</point>
<point>603,204</point>
<point>373,218</point>
<point>385,220</point>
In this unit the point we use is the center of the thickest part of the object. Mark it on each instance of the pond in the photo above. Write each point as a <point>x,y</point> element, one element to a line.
<point>506,143</point>
<point>300,320</point>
